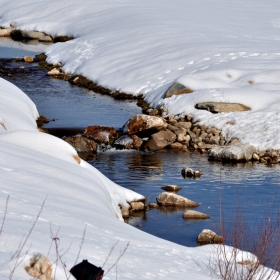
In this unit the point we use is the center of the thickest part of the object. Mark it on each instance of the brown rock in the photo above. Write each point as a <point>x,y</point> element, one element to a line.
<point>171,199</point>
<point>46,39</point>
<point>28,59</point>
<point>191,214</point>
<point>153,205</point>
<point>143,122</point>
<point>82,144</point>
<point>124,211</point>
<point>176,146</point>
<point>101,134</point>
<point>5,32</point>
<point>129,142</point>
<point>171,188</point>
<point>221,107</point>
<point>137,206</point>
<point>177,89</point>
<point>160,140</point>
<point>208,236</point>
<point>185,125</point>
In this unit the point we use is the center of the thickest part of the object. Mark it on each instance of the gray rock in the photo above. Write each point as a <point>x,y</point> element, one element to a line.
<point>160,140</point>
<point>221,107</point>
<point>191,214</point>
<point>171,199</point>
<point>177,89</point>
<point>234,152</point>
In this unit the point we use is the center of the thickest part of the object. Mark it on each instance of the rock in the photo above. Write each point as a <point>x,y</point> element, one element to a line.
<point>191,214</point>
<point>101,134</point>
<point>171,188</point>
<point>124,211</point>
<point>137,206</point>
<point>5,32</point>
<point>153,205</point>
<point>255,157</point>
<point>46,39</point>
<point>215,140</point>
<point>188,172</point>
<point>185,125</point>
<point>128,142</point>
<point>28,59</point>
<point>81,144</point>
<point>13,24</point>
<point>153,112</point>
<point>54,72</point>
<point>143,122</point>
<point>208,236</point>
<point>176,146</point>
<point>177,89</point>
<point>32,34</point>
<point>171,199</point>
<point>160,140</point>
<point>235,152</point>
<point>221,107</point>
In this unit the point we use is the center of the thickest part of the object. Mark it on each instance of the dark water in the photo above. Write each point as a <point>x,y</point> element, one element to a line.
<point>223,190</point>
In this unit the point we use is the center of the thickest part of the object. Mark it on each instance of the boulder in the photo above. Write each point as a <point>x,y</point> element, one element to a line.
<point>171,188</point>
<point>208,236</point>
<point>140,123</point>
<point>137,205</point>
<point>128,142</point>
<point>81,144</point>
<point>160,140</point>
<point>221,107</point>
<point>5,32</point>
<point>171,199</point>
<point>32,34</point>
<point>235,152</point>
<point>46,39</point>
<point>101,134</point>
<point>195,215</point>
<point>177,89</point>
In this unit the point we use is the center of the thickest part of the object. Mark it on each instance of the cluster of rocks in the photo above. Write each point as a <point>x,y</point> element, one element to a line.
<point>27,35</point>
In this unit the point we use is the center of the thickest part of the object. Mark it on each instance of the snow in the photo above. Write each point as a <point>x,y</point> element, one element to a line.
<point>224,50</point>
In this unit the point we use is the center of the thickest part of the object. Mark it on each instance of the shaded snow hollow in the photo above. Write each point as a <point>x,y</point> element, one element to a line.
<point>225,51</point>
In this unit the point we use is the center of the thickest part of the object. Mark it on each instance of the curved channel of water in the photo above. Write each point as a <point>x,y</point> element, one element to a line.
<point>249,189</point>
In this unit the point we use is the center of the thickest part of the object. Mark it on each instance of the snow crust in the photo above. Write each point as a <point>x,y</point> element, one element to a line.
<point>225,51</point>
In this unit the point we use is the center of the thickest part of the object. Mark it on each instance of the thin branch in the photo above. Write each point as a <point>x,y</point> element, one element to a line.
<point>5,214</point>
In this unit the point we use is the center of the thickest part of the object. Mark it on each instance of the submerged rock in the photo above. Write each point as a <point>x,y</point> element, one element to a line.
<point>171,199</point>
<point>221,107</point>
<point>188,172</point>
<point>191,214</point>
<point>171,188</point>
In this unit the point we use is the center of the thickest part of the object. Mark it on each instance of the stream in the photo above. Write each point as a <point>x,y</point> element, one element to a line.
<point>223,190</point>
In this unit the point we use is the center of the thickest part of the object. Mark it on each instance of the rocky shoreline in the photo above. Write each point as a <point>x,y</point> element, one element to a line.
<point>178,132</point>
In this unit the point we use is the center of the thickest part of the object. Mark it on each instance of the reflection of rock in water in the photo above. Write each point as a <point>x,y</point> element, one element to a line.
<point>145,162</point>
<point>171,210</point>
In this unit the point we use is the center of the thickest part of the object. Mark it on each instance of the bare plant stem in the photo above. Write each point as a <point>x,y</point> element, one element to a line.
<point>5,215</point>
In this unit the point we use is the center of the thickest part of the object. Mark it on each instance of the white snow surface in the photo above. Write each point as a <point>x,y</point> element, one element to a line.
<point>224,50</point>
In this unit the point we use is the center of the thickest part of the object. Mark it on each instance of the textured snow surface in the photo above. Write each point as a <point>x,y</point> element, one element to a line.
<point>224,50</point>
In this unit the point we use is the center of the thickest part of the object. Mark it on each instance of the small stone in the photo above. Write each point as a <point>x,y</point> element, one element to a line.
<point>28,59</point>
<point>255,157</point>
<point>171,188</point>
<point>54,72</point>
<point>185,125</point>
<point>153,205</point>
<point>137,206</point>
<point>176,146</point>
<point>191,214</point>
<point>124,211</point>
<point>188,172</point>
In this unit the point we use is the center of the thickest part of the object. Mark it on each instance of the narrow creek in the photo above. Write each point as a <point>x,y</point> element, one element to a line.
<point>247,188</point>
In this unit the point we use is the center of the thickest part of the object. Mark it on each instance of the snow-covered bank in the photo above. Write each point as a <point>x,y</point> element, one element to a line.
<point>225,51</point>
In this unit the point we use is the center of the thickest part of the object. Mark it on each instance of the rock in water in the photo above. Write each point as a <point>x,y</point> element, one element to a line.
<point>171,188</point>
<point>171,199</point>
<point>195,215</point>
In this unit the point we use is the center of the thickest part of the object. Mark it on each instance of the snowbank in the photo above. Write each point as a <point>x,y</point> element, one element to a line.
<point>222,50</point>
